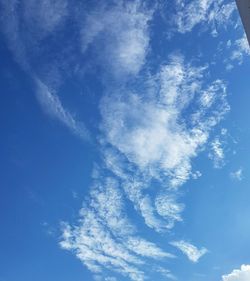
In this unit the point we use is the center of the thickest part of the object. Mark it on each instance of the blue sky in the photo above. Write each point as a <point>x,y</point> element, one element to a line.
<point>124,141</point>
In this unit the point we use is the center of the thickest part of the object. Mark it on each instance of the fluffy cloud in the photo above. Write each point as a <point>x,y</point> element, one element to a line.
<point>242,274</point>
<point>192,252</point>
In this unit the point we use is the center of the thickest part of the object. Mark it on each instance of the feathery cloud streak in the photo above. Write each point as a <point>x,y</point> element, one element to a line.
<point>192,252</point>
<point>105,238</point>
<point>52,106</point>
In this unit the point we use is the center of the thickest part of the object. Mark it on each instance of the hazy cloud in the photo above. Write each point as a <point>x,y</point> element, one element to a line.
<point>52,105</point>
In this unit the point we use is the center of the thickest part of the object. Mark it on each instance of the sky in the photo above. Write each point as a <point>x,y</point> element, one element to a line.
<point>124,141</point>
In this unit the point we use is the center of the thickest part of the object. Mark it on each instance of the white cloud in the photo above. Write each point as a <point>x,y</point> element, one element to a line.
<point>104,238</point>
<point>242,274</point>
<point>156,134</point>
<point>241,49</point>
<point>52,105</point>
<point>217,153</point>
<point>192,252</point>
<point>120,34</point>
<point>165,273</point>
<point>10,27</point>
<point>25,23</point>
<point>151,132</point>
<point>44,16</point>
<point>210,13</point>
<point>169,208</point>
<point>144,204</point>
<point>146,249</point>
<point>237,175</point>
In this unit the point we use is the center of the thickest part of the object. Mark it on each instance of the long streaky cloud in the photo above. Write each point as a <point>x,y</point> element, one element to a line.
<point>52,105</point>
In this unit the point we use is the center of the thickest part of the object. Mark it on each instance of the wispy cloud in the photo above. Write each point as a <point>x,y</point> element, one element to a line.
<point>216,153</point>
<point>148,139</point>
<point>151,133</point>
<point>166,273</point>
<point>241,49</point>
<point>237,175</point>
<point>52,105</point>
<point>105,238</point>
<point>210,13</point>
<point>24,29</point>
<point>119,34</point>
<point>43,17</point>
<point>242,274</point>
<point>192,252</point>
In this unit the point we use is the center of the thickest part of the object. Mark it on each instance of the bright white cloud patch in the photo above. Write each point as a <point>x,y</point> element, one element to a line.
<point>192,252</point>
<point>242,274</point>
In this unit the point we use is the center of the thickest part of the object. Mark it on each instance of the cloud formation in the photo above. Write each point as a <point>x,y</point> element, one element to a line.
<point>147,136</point>
<point>157,133</point>
<point>241,49</point>
<point>237,175</point>
<point>192,252</point>
<point>52,105</point>
<point>210,13</point>
<point>242,274</point>
<point>216,153</point>
<point>120,35</point>
<point>152,126</point>
<point>105,238</point>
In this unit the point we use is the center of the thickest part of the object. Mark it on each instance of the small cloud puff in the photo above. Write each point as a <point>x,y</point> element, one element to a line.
<point>237,175</point>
